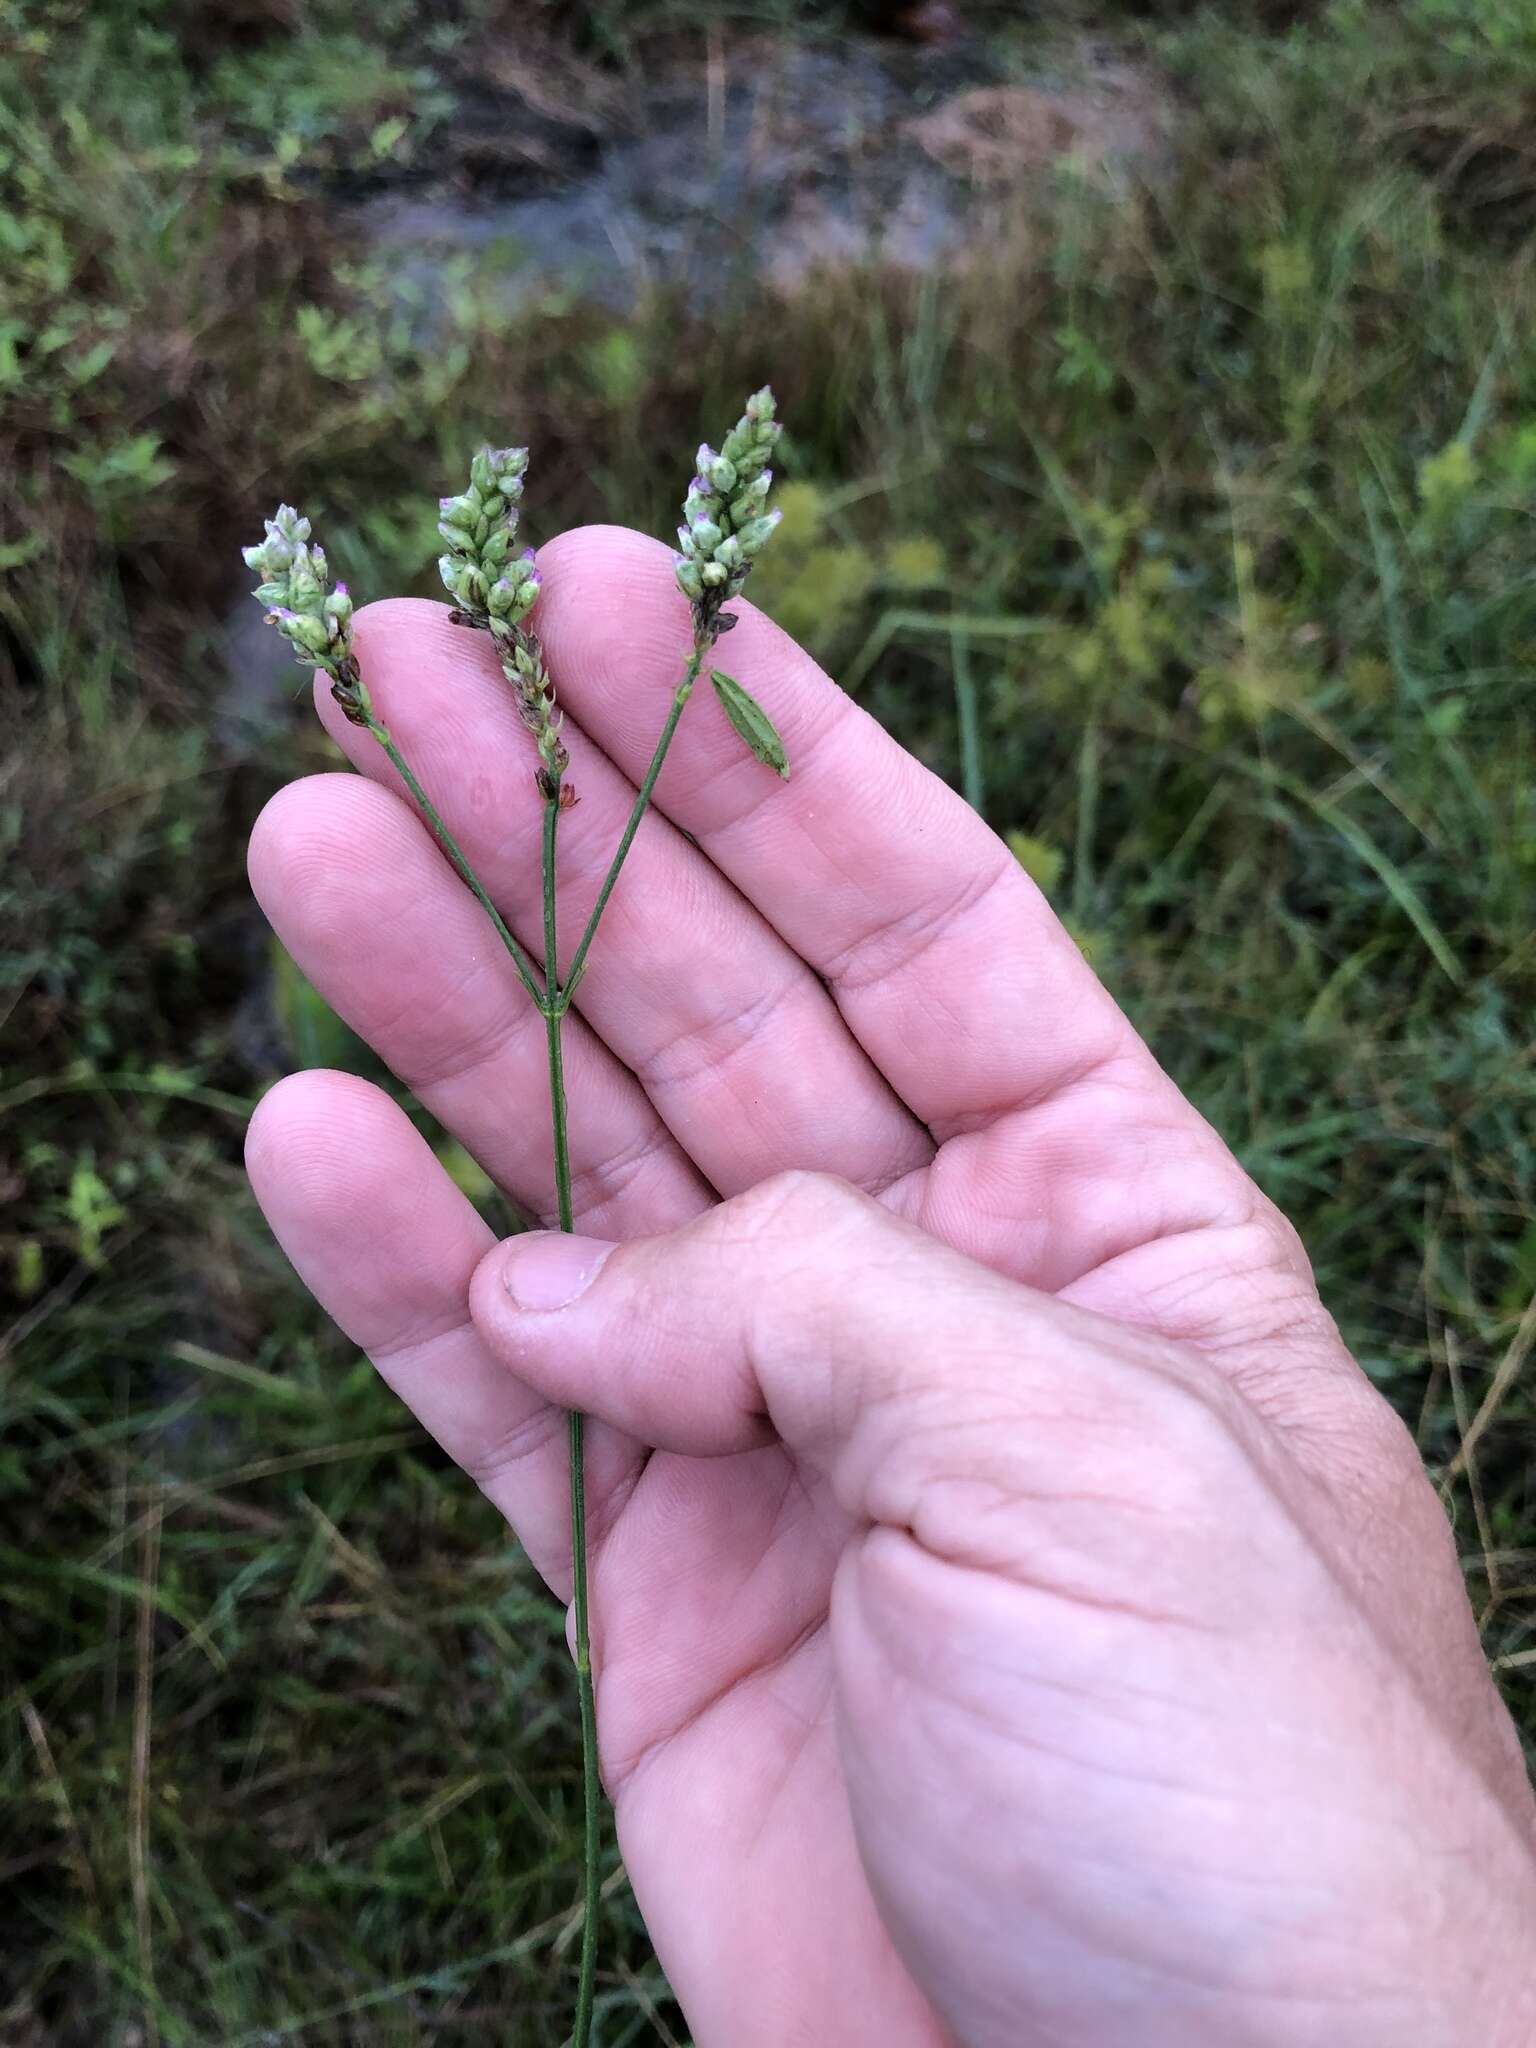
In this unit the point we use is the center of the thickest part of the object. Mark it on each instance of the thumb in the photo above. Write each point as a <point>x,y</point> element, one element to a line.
<point>803,1311</point>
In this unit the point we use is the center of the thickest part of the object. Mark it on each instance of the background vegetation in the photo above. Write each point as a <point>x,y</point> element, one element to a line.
<point>1206,492</point>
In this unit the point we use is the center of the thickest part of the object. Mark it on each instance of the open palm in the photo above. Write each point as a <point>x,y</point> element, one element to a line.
<point>848,973</point>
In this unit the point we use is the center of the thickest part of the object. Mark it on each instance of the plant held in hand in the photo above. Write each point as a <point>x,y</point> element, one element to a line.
<point>726,523</point>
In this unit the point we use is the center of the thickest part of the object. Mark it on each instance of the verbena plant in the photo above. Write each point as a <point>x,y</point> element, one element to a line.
<point>726,522</point>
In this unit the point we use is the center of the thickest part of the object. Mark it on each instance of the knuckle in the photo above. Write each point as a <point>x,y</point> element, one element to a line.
<point>1175,1440</point>
<point>794,1204</point>
<point>492,1464</point>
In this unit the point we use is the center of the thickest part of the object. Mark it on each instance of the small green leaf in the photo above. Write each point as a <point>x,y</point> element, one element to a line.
<point>751,721</point>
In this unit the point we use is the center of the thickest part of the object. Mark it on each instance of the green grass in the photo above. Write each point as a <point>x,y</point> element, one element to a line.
<point>1210,502</point>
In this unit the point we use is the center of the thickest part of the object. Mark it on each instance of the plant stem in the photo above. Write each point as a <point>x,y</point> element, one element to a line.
<point>553,1008</point>
<point>642,799</point>
<point>1087,818</point>
<point>552,1002</point>
<point>972,781</point>
<point>451,847</point>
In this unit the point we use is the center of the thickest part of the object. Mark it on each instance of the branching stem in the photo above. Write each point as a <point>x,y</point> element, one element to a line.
<point>455,853</point>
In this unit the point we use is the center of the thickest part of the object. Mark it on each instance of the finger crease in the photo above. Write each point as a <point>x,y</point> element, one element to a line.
<point>399,1349</point>
<point>739,1027</point>
<point>914,932</point>
<point>515,1446</point>
<point>607,1179</point>
<point>1092,1067</point>
<point>501,1035</point>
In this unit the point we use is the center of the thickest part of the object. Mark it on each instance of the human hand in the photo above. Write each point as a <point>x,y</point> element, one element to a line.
<point>1031,1627</point>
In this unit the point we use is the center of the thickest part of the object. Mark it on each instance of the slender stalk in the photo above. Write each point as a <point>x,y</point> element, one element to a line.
<point>554,1010</point>
<point>552,1002</point>
<point>726,524</point>
<point>451,847</point>
<point>642,799</point>
<point>1087,819</point>
<point>972,780</point>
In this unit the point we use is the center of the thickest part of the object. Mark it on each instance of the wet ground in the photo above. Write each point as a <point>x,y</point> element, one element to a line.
<point>765,159</point>
<point>792,157</point>
<point>775,158</point>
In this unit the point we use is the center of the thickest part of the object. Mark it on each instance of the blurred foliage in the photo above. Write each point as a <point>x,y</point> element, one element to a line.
<point>1215,486</point>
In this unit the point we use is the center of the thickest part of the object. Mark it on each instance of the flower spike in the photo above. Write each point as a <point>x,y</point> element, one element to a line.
<point>726,522</point>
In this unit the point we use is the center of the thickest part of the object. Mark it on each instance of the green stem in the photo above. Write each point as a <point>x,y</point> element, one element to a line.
<point>579,958</point>
<point>972,781</point>
<point>552,1001</point>
<point>1087,819</point>
<point>451,847</point>
<point>554,1010</point>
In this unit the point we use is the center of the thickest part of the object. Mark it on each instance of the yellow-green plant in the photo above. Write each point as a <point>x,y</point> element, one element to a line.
<point>726,523</point>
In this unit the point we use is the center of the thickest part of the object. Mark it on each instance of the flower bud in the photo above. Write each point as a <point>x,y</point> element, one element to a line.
<point>479,526</point>
<point>756,531</point>
<point>751,501</point>
<point>305,630</point>
<point>315,620</point>
<point>725,516</point>
<point>462,512</point>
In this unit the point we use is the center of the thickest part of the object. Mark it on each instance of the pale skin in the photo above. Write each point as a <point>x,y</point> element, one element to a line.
<point>1016,1618</point>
